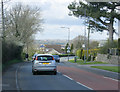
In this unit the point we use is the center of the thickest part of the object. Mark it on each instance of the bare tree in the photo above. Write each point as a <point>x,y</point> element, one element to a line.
<point>22,22</point>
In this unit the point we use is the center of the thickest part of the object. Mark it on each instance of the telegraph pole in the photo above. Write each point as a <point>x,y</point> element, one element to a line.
<point>88,40</point>
<point>3,22</point>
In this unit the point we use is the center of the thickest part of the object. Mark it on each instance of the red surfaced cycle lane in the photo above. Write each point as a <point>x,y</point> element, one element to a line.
<point>94,81</point>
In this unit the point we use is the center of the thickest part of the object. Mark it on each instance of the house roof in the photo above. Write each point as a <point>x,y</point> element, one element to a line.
<point>55,47</point>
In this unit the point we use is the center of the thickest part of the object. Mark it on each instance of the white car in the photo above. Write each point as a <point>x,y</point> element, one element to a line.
<point>44,62</point>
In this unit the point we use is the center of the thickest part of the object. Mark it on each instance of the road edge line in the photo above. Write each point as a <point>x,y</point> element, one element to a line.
<point>17,86</point>
<point>84,85</point>
<point>17,79</point>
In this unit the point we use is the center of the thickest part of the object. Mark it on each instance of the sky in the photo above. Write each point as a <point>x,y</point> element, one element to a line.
<point>55,15</point>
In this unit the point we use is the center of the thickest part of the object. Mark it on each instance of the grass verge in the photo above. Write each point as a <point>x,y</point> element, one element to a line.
<point>81,62</point>
<point>10,63</point>
<point>109,68</point>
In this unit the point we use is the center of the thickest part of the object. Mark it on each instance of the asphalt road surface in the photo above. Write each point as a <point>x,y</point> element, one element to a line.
<point>69,77</point>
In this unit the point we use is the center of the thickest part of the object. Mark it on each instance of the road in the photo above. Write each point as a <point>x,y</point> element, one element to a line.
<point>69,77</point>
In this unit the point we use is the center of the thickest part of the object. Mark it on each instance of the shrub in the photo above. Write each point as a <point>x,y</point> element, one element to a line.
<point>91,52</point>
<point>10,52</point>
<point>104,49</point>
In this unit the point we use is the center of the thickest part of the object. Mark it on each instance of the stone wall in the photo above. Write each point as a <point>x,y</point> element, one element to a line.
<point>112,59</point>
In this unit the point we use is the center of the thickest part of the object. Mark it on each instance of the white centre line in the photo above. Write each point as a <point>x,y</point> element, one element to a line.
<point>111,78</point>
<point>68,77</point>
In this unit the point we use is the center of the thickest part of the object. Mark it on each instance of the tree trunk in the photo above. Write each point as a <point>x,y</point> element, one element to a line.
<point>110,28</point>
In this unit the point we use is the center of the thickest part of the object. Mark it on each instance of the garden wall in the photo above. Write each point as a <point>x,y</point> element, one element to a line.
<point>112,59</point>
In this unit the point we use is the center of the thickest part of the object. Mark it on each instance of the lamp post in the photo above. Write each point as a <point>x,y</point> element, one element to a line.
<point>68,48</point>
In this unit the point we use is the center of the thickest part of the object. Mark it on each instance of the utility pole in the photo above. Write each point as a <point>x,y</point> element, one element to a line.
<point>85,39</point>
<point>88,40</point>
<point>3,21</point>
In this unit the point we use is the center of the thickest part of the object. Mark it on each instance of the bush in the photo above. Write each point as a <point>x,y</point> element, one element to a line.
<point>65,55</point>
<point>91,52</point>
<point>10,51</point>
<point>104,49</point>
<point>89,58</point>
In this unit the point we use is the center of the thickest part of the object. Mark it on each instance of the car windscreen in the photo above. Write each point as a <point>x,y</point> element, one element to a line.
<point>44,58</point>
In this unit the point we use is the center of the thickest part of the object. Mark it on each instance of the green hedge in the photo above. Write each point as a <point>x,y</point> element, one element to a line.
<point>10,51</point>
<point>65,55</point>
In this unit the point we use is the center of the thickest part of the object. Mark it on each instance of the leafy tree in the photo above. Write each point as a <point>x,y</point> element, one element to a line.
<point>119,43</point>
<point>71,48</point>
<point>66,47</point>
<point>104,49</point>
<point>93,44</point>
<point>78,42</point>
<point>101,15</point>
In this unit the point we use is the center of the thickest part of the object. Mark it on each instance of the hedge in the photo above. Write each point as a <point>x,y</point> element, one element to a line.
<point>10,51</point>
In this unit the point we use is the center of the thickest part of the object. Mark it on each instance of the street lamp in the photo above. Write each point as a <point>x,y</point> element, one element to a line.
<point>68,48</point>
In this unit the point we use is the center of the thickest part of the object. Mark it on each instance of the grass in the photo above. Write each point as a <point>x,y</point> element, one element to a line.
<point>81,62</point>
<point>109,68</point>
<point>10,63</point>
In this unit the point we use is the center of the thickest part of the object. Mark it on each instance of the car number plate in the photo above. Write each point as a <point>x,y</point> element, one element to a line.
<point>45,63</point>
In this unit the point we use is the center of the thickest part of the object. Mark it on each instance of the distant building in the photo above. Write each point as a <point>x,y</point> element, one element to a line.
<point>42,47</point>
<point>53,49</point>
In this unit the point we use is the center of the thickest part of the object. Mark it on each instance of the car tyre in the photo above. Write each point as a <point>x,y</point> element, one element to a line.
<point>34,73</point>
<point>55,72</point>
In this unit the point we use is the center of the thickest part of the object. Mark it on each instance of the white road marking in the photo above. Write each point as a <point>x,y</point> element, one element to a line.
<point>85,86</point>
<point>17,86</point>
<point>17,78</point>
<point>68,77</point>
<point>77,82</point>
<point>7,85</point>
<point>111,78</point>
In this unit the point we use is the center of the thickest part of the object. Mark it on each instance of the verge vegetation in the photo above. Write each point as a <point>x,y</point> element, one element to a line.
<point>81,62</point>
<point>109,68</point>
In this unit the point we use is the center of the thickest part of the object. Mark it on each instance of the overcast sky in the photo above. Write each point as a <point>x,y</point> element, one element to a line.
<point>55,15</point>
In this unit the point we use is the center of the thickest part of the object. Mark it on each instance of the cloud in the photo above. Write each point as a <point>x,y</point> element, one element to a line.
<point>55,14</point>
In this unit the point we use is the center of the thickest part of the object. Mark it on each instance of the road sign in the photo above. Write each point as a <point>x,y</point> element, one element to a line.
<point>68,48</point>
<point>68,51</point>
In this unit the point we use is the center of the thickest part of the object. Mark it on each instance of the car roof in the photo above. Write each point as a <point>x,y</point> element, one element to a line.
<point>44,54</point>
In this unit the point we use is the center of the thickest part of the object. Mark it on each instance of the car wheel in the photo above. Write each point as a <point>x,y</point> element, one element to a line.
<point>34,73</point>
<point>55,72</point>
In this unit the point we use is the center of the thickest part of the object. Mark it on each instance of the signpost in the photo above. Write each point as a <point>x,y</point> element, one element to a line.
<point>84,52</point>
<point>68,51</point>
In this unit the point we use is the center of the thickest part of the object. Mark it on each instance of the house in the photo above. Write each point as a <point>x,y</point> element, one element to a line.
<point>53,49</point>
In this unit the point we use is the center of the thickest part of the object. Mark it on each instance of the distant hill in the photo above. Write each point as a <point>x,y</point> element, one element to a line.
<point>51,42</point>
